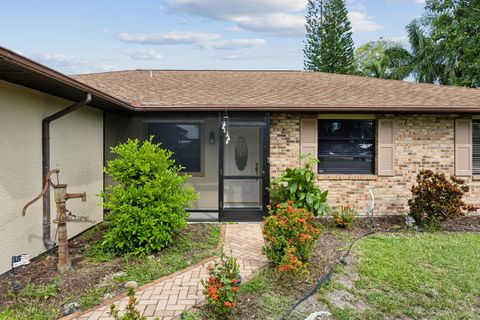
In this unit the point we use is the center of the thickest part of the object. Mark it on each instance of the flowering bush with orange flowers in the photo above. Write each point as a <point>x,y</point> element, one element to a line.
<point>290,234</point>
<point>130,312</point>
<point>344,217</point>
<point>221,287</point>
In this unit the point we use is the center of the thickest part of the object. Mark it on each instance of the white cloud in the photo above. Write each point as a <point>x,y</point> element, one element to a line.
<point>250,56</point>
<point>241,56</point>
<point>236,43</point>
<point>225,9</point>
<point>361,22</point>
<point>272,17</point>
<point>234,29</point>
<point>199,39</point>
<point>71,64</point>
<point>175,37</point>
<point>279,17</point>
<point>282,24</point>
<point>142,54</point>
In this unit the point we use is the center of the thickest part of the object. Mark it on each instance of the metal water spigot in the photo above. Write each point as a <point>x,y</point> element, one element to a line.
<point>82,196</point>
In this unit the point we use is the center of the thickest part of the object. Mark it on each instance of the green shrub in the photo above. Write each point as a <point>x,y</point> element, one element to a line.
<point>290,235</point>
<point>147,205</point>
<point>344,217</point>
<point>299,185</point>
<point>434,198</point>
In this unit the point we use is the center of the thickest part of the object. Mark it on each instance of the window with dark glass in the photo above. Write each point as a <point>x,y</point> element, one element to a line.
<point>184,139</point>
<point>476,147</point>
<point>346,146</point>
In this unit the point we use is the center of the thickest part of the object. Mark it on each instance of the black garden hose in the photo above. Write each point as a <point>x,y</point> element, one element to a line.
<point>325,278</point>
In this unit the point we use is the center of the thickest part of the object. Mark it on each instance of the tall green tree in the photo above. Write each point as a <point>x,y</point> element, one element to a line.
<point>372,60</point>
<point>329,45</point>
<point>313,36</point>
<point>445,44</point>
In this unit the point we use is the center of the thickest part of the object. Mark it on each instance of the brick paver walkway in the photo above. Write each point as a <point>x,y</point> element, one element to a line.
<point>168,297</point>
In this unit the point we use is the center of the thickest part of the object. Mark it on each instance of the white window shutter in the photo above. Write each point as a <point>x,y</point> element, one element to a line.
<point>308,136</point>
<point>386,148</point>
<point>463,147</point>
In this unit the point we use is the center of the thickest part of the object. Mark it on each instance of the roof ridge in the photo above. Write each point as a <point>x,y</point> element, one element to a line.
<point>327,74</point>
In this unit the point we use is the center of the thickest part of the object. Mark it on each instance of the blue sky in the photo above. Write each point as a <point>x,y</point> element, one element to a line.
<point>101,35</point>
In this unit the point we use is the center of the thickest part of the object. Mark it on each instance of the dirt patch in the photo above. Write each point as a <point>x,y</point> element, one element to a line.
<point>341,296</point>
<point>42,271</point>
<point>467,223</point>
<point>86,274</point>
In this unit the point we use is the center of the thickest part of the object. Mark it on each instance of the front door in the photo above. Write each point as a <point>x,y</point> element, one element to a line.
<point>243,174</point>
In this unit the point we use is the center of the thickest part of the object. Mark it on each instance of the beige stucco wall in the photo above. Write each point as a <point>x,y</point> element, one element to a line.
<point>421,142</point>
<point>76,149</point>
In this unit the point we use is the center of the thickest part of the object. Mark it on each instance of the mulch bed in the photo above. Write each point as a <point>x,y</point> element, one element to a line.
<point>42,271</point>
<point>331,246</point>
<point>84,275</point>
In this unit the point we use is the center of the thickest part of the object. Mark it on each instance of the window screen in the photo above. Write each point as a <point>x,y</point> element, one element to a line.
<point>346,146</point>
<point>476,146</point>
<point>184,139</point>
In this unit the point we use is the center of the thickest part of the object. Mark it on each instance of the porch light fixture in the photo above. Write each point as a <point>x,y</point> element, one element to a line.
<point>211,137</point>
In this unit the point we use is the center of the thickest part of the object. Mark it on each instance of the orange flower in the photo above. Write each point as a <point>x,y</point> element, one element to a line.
<point>305,235</point>
<point>234,280</point>
<point>229,304</point>
<point>285,268</point>
<point>278,206</point>
<point>210,267</point>
<point>290,202</point>
<point>212,290</point>
<point>131,300</point>
<point>235,289</point>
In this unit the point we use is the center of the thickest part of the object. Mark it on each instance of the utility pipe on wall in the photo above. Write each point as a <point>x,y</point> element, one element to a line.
<point>47,241</point>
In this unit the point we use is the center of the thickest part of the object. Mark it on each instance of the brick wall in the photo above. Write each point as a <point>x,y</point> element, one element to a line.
<point>421,142</point>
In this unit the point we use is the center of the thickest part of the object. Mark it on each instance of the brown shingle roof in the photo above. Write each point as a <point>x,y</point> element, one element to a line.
<point>278,90</point>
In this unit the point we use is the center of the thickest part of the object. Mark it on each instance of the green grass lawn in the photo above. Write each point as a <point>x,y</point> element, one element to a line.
<point>411,276</point>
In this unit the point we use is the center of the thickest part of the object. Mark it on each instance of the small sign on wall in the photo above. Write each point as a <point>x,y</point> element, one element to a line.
<point>20,260</point>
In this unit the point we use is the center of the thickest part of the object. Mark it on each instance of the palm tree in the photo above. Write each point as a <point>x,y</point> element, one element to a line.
<point>423,61</point>
<point>427,61</point>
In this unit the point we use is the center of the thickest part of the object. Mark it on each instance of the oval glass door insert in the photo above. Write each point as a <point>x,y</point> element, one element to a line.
<point>241,153</point>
